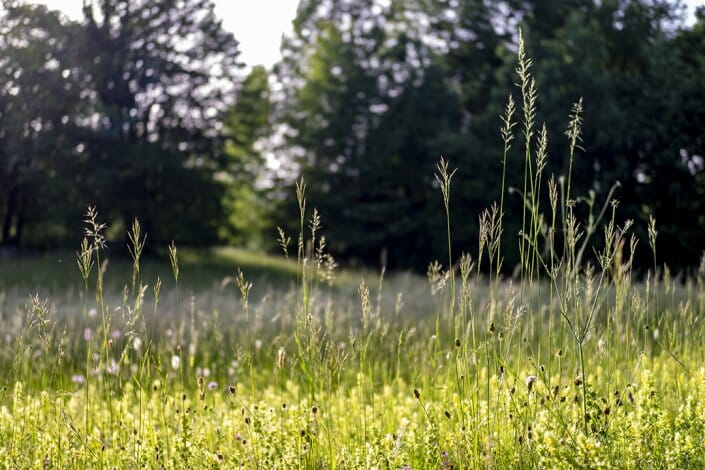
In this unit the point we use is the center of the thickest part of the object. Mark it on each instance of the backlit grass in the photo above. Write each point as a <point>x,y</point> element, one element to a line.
<point>376,382</point>
<point>570,364</point>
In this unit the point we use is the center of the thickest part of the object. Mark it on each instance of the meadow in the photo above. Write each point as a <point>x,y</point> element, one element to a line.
<point>577,361</point>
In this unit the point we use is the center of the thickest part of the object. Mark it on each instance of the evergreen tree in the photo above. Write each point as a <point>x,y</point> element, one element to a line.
<point>247,124</point>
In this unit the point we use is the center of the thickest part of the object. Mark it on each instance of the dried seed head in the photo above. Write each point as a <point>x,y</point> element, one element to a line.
<point>281,358</point>
<point>417,394</point>
<point>530,380</point>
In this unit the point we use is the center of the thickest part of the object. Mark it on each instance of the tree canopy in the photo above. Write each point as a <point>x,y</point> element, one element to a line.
<point>378,91</point>
<point>122,110</point>
<point>142,108</point>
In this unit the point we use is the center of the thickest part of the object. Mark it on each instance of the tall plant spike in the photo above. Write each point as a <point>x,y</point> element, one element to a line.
<point>574,133</point>
<point>444,178</point>
<point>135,248</point>
<point>507,133</point>
<point>527,86</point>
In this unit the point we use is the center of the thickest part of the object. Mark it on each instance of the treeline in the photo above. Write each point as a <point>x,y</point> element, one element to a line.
<point>123,110</point>
<point>139,109</point>
<point>377,90</point>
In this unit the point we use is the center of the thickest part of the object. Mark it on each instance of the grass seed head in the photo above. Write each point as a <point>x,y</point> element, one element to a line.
<point>281,358</point>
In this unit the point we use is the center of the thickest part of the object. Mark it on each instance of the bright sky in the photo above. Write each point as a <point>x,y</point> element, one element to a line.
<point>257,24</point>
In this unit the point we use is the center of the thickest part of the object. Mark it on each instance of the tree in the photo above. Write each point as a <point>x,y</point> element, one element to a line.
<point>39,104</point>
<point>619,56</point>
<point>671,167</point>
<point>162,75</point>
<point>246,124</point>
<point>357,78</point>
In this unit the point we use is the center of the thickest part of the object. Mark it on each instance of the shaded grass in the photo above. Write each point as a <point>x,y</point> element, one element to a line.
<point>56,271</point>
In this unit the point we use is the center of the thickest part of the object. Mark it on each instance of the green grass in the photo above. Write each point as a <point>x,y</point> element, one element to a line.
<point>478,404</point>
<point>54,272</point>
<point>187,363</point>
<point>57,270</point>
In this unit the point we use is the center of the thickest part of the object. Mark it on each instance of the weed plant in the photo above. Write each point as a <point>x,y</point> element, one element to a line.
<point>572,364</point>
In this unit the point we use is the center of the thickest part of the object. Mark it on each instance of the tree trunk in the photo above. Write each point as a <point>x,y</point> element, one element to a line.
<point>10,209</point>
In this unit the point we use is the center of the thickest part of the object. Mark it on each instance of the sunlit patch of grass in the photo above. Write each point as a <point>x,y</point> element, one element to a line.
<point>257,362</point>
<point>256,265</point>
<point>55,271</point>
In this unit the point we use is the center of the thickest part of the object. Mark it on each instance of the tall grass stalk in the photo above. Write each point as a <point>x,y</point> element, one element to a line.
<point>507,133</point>
<point>574,133</point>
<point>444,178</point>
<point>527,85</point>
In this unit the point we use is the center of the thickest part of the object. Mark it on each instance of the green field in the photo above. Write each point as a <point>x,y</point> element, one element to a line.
<point>592,370</point>
<point>229,359</point>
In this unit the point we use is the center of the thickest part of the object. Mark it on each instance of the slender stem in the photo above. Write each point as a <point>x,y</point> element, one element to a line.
<point>582,372</point>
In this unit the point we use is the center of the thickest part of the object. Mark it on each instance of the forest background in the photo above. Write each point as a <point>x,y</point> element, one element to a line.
<point>143,109</point>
